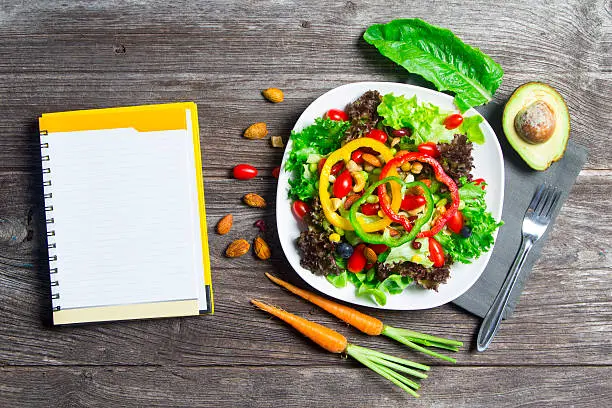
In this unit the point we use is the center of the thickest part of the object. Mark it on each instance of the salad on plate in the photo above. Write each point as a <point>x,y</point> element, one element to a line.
<point>385,194</point>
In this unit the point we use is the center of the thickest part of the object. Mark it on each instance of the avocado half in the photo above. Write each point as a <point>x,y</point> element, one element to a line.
<point>537,125</point>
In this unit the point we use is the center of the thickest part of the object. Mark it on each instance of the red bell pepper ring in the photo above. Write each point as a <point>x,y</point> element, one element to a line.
<point>441,176</point>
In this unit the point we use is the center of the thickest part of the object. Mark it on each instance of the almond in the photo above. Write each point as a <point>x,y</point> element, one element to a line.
<point>261,248</point>
<point>393,232</point>
<point>257,130</point>
<point>274,95</point>
<point>254,200</point>
<point>350,200</point>
<point>371,159</point>
<point>237,248</point>
<point>370,255</point>
<point>225,224</point>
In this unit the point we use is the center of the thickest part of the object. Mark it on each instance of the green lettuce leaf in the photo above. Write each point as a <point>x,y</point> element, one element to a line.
<point>471,192</point>
<point>379,296</point>
<point>369,286</point>
<point>481,222</point>
<point>309,146</point>
<point>471,128</point>
<point>406,253</point>
<point>352,238</point>
<point>395,284</point>
<point>338,281</point>
<point>425,119</point>
<point>440,57</point>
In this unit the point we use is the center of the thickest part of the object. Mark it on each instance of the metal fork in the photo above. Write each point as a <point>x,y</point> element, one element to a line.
<point>535,222</point>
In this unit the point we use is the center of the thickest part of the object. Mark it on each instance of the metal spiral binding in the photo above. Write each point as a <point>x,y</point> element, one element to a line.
<point>51,245</point>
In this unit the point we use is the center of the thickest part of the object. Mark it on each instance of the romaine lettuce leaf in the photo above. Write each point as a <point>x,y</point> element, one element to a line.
<point>440,57</point>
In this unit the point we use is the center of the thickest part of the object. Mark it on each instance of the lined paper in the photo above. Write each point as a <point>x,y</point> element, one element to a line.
<point>125,211</point>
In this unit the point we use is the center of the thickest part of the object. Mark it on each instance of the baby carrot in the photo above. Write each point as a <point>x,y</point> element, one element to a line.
<point>367,324</point>
<point>372,326</point>
<point>390,367</point>
<point>329,339</point>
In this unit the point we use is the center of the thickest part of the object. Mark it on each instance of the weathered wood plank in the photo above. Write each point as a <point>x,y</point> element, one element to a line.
<point>571,31</point>
<point>292,386</point>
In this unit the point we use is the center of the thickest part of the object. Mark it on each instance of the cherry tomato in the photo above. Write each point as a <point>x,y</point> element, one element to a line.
<point>357,156</point>
<point>377,134</point>
<point>300,209</point>
<point>357,261</point>
<point>378,248</point>
<point>479,181</point>
<point>436,253</point>
<point>244,172</point>
<point>335,168</point>
<point>455,223</point>
<point>370,208</point>
<point>343,184</point>
<point>429,148</point>
<point>336,114</point>
<point>453,121</point>
<point>276,172</point>
<point>412,202</point>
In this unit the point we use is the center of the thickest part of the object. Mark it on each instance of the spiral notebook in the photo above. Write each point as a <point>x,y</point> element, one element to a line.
<point>126,224</point>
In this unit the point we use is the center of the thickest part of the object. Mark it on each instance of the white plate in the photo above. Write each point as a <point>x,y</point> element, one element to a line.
<point>488,164</point>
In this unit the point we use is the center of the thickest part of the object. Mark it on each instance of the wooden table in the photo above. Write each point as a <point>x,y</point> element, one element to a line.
<point>555,351</point>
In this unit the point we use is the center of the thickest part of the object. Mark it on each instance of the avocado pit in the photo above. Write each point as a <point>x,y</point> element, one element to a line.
<point>535,123</point>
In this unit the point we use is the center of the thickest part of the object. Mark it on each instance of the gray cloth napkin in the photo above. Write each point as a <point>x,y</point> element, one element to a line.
<point>521,183</point>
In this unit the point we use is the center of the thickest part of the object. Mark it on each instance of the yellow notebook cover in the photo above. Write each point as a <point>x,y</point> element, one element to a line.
<point>126,220</point>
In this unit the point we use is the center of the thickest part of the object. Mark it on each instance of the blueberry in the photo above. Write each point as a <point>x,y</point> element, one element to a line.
<point>344,250</point>
<point>465,231</point>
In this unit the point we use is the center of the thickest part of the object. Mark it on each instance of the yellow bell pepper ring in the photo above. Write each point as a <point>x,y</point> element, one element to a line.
<point>344,153</point>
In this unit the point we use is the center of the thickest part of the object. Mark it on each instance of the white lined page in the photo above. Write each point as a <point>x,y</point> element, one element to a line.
<point>126,217</point>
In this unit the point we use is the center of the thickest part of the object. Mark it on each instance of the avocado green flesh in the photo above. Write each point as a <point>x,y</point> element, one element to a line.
<point>537,156</point>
